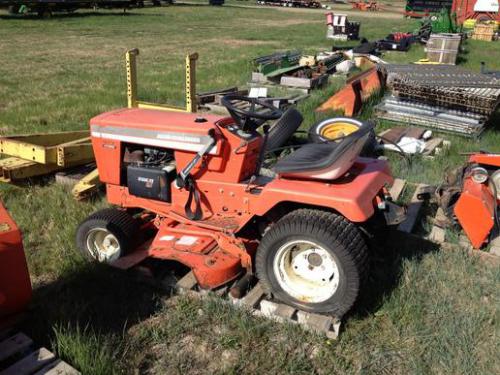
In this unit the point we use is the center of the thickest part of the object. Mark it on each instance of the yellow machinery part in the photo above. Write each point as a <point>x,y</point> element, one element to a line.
<point>16,169</point>
<point>60,148</point>
<point>79,152</point>
<point>87,185</point>
<point>337,130</point>
<point>190,81</point>
<point>426,61</point>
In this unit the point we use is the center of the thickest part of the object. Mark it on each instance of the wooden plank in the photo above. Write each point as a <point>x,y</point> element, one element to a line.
<point>386,131</point>
<point>188,282</point>
<point>268,308</point>
<point>413,211</point>
<point>285,311</point>
<point>438,234</point>
<point>253,297</point>
<point>431,145</point>
<point>13,345</point>
<point>397,188</point>
<point>73,175</point>
<point>323,324</point>
<point>487,258</point>
<point>31,363</point>
<point>464,242</point>
<point>495,247</point>
<point>495,250</point>
<point>58,368</point>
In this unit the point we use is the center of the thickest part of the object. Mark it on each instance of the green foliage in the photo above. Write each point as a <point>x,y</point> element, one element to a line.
<point>88,351</point>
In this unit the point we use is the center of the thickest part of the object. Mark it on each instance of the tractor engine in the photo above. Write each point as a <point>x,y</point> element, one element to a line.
<point>149,172</point>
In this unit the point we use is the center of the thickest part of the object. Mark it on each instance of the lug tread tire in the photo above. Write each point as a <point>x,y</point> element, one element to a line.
<point>284,128</point>
<point>118,222</point>
<point>349,247</point>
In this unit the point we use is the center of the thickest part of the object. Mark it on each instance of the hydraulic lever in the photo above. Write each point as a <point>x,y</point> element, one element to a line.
<point>183,175</point>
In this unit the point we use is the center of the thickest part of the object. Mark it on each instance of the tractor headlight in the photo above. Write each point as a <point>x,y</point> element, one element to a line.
<point>479,175</point>
<point>495,182</point>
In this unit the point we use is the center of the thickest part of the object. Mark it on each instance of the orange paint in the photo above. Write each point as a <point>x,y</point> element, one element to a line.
<point>357,90</point>
<point>229,202</point>
<point>15,285</point>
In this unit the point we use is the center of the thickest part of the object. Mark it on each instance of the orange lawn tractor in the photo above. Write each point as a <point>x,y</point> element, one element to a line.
<point>15,285</point>
<point>198,183</point>
<point>470,198</point>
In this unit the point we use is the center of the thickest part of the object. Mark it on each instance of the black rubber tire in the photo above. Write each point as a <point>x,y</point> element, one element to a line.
<point>341,238</point>
<point>284,128</point>
<point>123,226</point>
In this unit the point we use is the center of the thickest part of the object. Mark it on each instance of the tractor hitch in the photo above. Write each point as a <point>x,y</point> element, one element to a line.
<point>393,213</point>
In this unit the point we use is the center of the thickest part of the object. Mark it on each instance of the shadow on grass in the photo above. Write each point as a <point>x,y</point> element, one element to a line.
<point>104,299</point>
<point>110,301</point>
<point>387,267</point>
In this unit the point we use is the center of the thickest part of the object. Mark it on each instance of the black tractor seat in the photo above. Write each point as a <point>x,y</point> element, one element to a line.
<point>324,161</point>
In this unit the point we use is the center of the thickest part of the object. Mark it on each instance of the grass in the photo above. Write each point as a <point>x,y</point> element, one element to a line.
<point>425,311</point>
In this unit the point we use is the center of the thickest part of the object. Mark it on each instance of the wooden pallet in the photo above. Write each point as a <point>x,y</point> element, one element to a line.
<point>259,305</point>
<point>438,231</point>
<point>438,235</point>
<point>20,356</point>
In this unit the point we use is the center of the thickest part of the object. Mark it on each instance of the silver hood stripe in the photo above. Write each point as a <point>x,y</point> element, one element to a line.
<point>177,141</point>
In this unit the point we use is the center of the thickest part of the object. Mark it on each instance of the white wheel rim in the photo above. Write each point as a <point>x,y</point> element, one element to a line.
<point>306,271</point>
<point>103,245</point>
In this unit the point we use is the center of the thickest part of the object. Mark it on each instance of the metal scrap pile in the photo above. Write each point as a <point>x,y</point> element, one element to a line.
<point>448,98</point>
<point>292,69</point>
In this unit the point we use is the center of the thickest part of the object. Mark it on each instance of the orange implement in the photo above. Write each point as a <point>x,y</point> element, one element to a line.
<point>356,91</point>
<point>475,211</point>
<point>15,285</point>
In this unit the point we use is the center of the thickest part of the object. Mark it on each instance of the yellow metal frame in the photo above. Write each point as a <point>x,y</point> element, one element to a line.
<point>62,148</point>
<point>87,185</point>
<point>133,102</point>
<point>14,169</point>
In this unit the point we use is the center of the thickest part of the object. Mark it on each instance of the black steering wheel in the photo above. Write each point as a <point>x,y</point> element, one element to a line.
<point>250,113</point>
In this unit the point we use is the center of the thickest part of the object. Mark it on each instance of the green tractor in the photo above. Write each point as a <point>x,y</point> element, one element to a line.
<point>442,22</point>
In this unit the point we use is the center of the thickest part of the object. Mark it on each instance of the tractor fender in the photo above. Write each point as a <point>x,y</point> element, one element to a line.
<point>353,197</point>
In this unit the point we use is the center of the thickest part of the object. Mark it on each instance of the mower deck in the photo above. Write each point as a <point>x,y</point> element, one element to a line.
<point>197,248</point>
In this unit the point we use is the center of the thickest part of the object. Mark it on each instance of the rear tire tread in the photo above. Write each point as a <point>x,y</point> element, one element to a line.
<point>318,223</point>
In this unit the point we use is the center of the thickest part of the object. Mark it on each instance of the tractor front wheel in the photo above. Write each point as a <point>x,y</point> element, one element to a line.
<point>106,235</point>
<point>313,260</point>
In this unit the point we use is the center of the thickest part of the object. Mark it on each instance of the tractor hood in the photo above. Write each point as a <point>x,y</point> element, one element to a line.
<point>174,130</point>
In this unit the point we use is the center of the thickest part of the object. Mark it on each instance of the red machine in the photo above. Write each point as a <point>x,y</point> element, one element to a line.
<point>481,10</point>
<point>365,5</point>
<point>199,185</point>
<point>15,285</point>
<point>472,196</point>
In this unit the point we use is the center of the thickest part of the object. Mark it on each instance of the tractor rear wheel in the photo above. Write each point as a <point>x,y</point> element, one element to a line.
<point>106,235</point>
<point>313,260</point>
